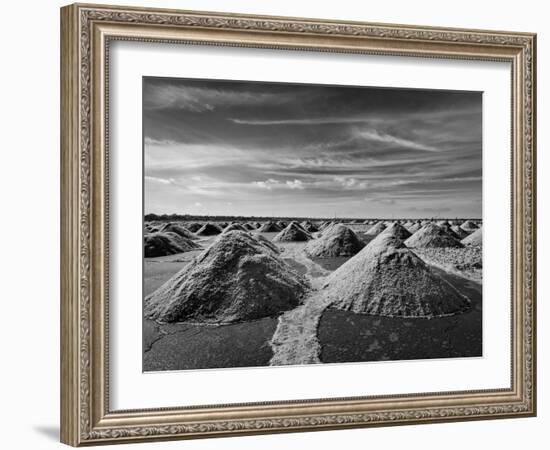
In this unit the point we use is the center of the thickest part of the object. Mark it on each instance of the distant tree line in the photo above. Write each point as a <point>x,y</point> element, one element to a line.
<point>206,218</point>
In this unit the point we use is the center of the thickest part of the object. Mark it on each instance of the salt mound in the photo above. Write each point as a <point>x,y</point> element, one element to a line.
<point>449,229</point>
<point>469,226</point>
<point>476,238</point>
<point>267,243</point>
<point>292,233</point>
<point>339,240</point>
<point>296,224</point>
<point>281,224</point>
<point>269,227</point>
<point>431,236</point>
<point>376,228</point>
<point>193,227</point>
<point>249,226</point>
<point>234,227</point>
<point>166,243</point>
<point>178,229</point>
<point>235,279</point>
<point>384,240</point>
<point>397,230</point>
<point>414,227</point>
<point>309,227</point>
<point>209,229</point>
<point>460,233</point>
<point>391,280</point>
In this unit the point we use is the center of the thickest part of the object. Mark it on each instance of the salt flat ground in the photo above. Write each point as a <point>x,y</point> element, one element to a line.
<point>312,332</point>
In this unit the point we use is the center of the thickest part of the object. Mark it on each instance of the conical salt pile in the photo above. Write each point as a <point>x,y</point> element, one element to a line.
<point>178,229</point>
<point>309,227</point>
<point>432,236</point>
<point>267,243</point>
<point>234,227</point>
<point>397,230</point>
<point>474,239</point>
<point>414,227</point>
<point>296,224</point>
<point>460,233</point>
<point>209,229</point>
<point>249,226</point>
<point>339,240</point>
<point>193,227</point>
<point>469,226</point>
<point>166,243</point>
<point>292,233</point>
<point>376,228</point>
<point>387,279</point>
<point>282,224</point>
<point>449,229</point>
<point>237,278</point>
<point>269,227</point>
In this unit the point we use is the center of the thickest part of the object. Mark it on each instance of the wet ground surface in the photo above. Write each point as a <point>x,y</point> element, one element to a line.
<point>350,337</point>
<point>186,346</point>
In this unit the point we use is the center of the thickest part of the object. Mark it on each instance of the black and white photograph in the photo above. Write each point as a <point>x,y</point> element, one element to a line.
<point>291,224</point>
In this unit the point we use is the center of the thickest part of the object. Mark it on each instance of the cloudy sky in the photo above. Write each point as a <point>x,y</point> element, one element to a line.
<point>276,149</point>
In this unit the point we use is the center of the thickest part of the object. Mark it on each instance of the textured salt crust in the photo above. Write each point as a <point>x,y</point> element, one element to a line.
<point>469,226</point>
<point>337,240</point>
<point>292,233</point>
<point>295,339</point>
<point>432,235</point>
<point>193,227</point>
<point>234,227</point>
<point>269,227</point>
<point>237,278</point>
<point>166,243</point>
<point>377,228</point>
<point>309,227</point>
<point>391,280</point>
<point>414,227</point>
<point>466,262</point>
<point>461,234</point>
<point>397,230</point>
<point>209,229</point>
<point>178,229</point>
<point>476,238</point>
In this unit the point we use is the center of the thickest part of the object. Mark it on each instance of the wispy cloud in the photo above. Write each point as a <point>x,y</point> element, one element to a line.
<point>158,95</point>
<point>309,121</point>
<point>374,135</point>
<point>279,149</point>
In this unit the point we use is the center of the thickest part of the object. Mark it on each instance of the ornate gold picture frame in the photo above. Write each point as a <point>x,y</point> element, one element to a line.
<point>86,34</point>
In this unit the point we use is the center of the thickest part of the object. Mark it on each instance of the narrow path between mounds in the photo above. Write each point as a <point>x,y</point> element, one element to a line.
<point>295,339</point>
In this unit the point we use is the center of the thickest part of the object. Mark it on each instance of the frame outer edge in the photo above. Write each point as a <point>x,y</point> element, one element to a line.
<point>533,178</point>
<point>70,378</point>
<point>79,425</point>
